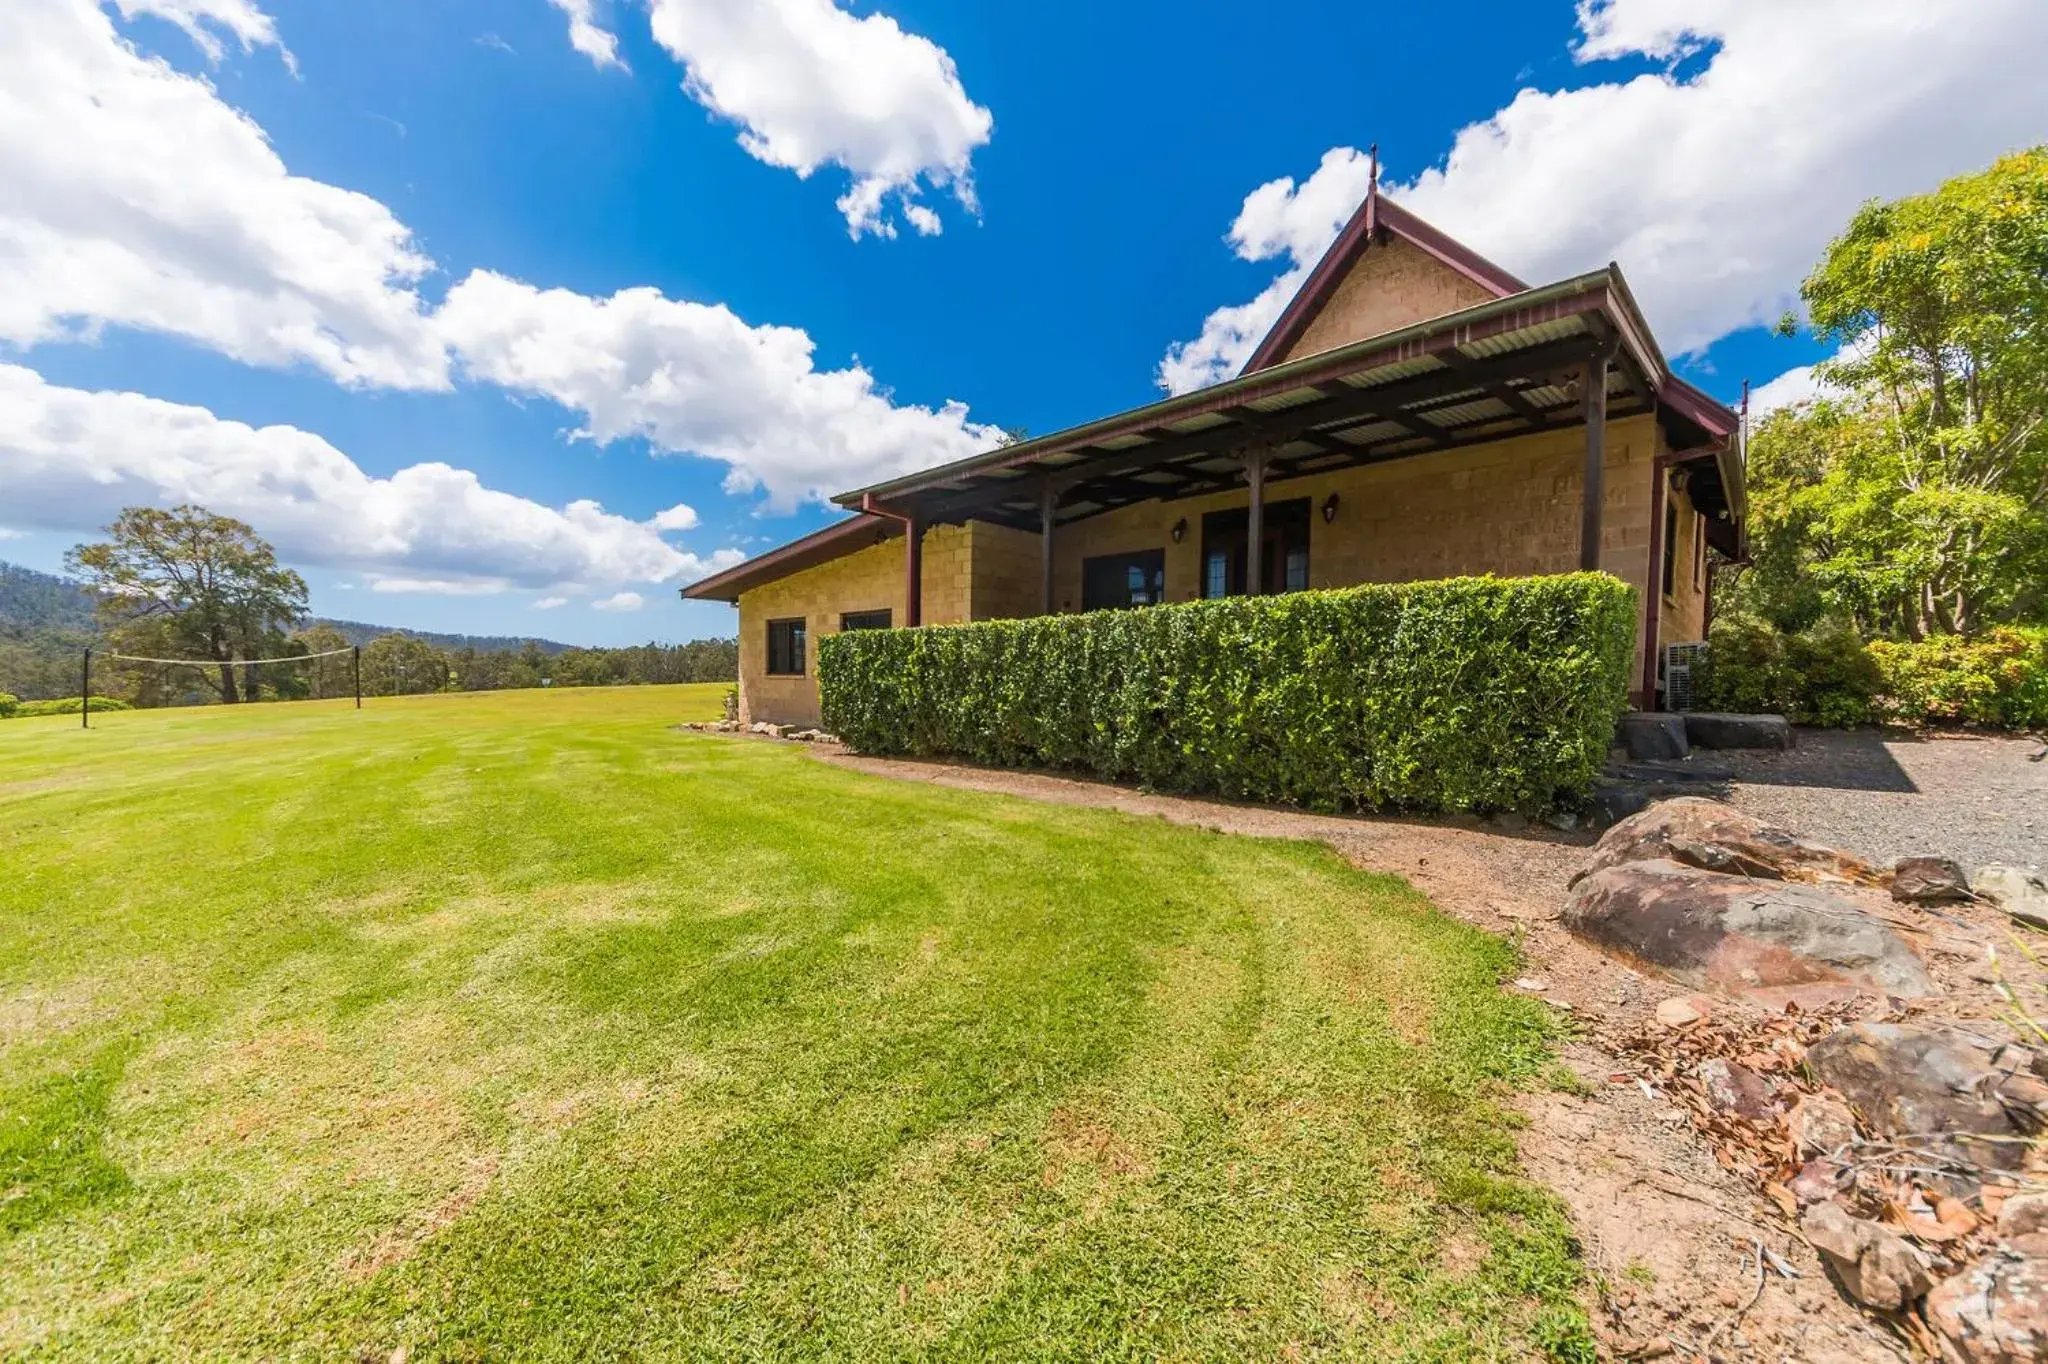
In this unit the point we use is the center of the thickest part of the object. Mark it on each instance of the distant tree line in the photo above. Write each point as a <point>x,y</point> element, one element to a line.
<point>186,584</point>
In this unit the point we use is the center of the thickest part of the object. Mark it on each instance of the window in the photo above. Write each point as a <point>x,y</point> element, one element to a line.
<point>864,620</point>
<point>1670,546</point>
<point>1216,574</point>
<point>1297,569</point>
<point>786,648</point>
<point>1699,551</point>
<point>1123,579</point>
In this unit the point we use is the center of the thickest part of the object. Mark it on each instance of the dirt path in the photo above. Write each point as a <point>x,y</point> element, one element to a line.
<point>1670,1235</point>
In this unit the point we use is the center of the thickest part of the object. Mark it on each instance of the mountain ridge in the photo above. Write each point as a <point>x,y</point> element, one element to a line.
<point>32,599</point>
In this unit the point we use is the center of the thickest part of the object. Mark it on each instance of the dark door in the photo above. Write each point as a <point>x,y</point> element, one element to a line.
<point>1283,558</point>
<point>1123,580</point>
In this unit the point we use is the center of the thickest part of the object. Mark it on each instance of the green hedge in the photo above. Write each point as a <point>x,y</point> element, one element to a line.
<point>67,705</point>
<point>1826,675</point>
<point>8,702</point>
<point>1468,694</point>
<point>1998,678</point>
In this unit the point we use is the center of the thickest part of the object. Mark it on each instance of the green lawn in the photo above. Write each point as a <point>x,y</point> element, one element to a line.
<point>527,1024</point>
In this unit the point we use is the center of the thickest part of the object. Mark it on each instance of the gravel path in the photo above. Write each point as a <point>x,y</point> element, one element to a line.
<point>1888,796</point>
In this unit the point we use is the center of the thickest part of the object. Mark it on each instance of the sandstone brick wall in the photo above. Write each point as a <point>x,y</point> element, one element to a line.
<point>973,572</point>
<point>1682,616</point>
<point>1007,573</point>
<point>1392,285</point>
<point>1509,508</point>
<point>870,579</point>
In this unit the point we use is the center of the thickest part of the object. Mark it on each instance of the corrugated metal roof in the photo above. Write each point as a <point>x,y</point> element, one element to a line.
<point>1460,414</point>
<point>1280,402</point>
<point>1368,433</point>
<point>1536,334</point>
<point>1395,372</point>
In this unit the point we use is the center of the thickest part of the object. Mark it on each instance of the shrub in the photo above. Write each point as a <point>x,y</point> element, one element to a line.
<point>1473,693</point>
<point>8,702</point>
<point>67,705</point>
<point>1745,669</point>
<point>1823,675</point>
<point>1999,678</point>
<point>1838,680</point>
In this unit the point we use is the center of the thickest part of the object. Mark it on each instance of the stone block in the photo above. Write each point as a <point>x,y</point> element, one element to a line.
<point>1710,729</point>
<point>1654,734</point>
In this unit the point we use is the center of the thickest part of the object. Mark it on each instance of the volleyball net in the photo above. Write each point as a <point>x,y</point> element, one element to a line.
<point>326,674</point>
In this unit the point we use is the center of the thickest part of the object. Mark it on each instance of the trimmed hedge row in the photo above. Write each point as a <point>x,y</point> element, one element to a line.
<point>1466,694</point>
<point>67,705</point>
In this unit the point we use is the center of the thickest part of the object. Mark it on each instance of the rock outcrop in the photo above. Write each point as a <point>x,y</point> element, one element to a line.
<point>2021,892</point>
<point>1929,881</point>
<point>1941,1089</point>
<point>1996,1310</point>
<point>1877,1267</point>
<point>1715,836</point>
<point>1739,935</point>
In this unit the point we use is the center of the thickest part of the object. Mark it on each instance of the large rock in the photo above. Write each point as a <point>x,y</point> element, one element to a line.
<point>2020,891</point>
<point>1940,1089</point>
<point>1707,729</point>
<point>1738,935</point>
<point>1654,734</point>
<point>1715,836</point>
<point>1876,1266</point>
<point>1928,881</point>
<point>1996,1310</point>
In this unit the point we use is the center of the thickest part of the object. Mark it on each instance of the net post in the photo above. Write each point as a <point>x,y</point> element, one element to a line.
<point>85,691</point>
<point>356,654</point>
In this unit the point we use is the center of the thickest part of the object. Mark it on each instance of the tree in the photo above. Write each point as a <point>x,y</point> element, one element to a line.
<point>1913,496</point>
<point>206,585</point>
<point>325,677</point>
<point>399,665</point>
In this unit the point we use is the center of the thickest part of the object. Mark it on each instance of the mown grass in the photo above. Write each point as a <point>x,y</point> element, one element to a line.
<point>527,1025</point>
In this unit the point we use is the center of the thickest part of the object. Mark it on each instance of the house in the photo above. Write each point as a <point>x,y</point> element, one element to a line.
<point>1416,412</point>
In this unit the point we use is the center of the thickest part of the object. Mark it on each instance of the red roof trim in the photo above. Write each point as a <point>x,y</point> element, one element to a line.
<point>1712,415</point>
<point>1373,214</point>
<point>820,546</point>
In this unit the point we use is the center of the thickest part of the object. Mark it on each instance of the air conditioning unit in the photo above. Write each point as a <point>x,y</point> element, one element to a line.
<point>1679,662</point>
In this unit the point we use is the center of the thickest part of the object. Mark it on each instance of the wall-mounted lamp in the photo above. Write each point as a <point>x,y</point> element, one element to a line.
<point>1329,509</point>
<point>1180,530</point>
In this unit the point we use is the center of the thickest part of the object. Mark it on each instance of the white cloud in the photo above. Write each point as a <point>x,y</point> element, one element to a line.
<point>1793,386</point>
<point>550,603</point>
<point>812,85</point>
<point>136,197</point>
<point>242,20</point>
<point>438,587</point>
<point>682,516</point>
<point>70,459</point>
<point>694,378</point>
<point>587,36</point>
<point>619,601</point>
<point>1279,219</point>
<point>1717,192</point>
<point>9,533</point>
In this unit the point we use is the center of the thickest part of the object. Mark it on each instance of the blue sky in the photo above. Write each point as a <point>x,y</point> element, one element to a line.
<point>420,274</point>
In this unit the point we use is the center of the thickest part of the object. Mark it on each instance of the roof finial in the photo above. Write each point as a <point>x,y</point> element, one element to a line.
<point>1373,187</point>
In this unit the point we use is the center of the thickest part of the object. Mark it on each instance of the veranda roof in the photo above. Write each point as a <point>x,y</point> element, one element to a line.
<point>1499,369</point>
